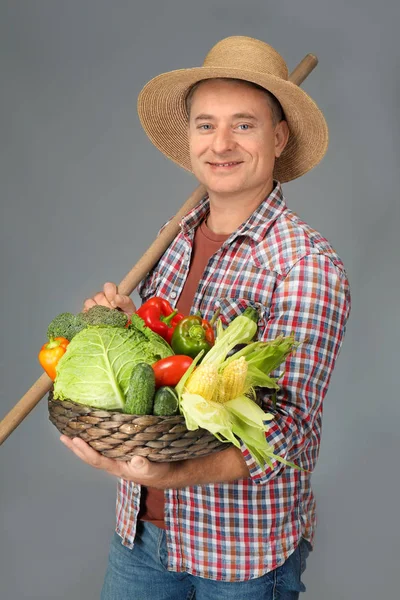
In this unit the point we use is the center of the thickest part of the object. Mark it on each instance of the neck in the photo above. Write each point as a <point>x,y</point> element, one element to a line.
<point>229,211</point>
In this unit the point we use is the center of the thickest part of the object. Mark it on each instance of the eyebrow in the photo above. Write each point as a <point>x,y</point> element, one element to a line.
<point>205,117</point>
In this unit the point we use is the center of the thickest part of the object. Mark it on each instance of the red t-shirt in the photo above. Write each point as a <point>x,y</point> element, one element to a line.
<point>205,244</point>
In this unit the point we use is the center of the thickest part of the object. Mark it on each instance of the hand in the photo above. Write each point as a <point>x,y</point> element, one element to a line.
<point>138,469</point>
<point>112,299</point>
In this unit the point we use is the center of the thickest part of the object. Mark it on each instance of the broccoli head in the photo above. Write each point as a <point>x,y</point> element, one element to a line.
<point>101,315</point>
<point>65,325</point>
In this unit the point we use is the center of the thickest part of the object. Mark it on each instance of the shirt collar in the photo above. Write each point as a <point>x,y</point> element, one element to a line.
<point>256,225</point>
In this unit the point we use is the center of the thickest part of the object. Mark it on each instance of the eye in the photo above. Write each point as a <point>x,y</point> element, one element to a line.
<point>204,127</point>
<point>244,126</point>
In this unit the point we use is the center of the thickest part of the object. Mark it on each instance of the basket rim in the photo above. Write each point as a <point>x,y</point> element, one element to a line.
<point>82,406</point>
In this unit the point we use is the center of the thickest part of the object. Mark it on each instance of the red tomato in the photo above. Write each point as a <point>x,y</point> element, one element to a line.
<point>168,371</point>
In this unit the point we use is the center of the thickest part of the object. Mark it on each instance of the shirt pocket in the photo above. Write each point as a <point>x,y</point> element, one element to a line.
<point>233,306</point>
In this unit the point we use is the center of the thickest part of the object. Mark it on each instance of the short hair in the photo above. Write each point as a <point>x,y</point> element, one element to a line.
<point>278,114</point>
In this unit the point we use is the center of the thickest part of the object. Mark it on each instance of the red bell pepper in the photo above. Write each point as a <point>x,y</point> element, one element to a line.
<point>160,317</point>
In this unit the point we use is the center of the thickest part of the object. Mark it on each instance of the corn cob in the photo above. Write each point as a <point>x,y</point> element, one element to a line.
<point>203,381</point>
<point>233,380</point>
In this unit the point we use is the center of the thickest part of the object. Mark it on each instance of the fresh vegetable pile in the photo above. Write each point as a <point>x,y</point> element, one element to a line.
<point>164,363</point>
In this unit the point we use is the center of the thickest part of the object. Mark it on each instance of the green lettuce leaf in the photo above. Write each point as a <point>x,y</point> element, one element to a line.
<point>96,368</point>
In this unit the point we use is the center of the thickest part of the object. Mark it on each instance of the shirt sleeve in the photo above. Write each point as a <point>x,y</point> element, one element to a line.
<point>313,302</point>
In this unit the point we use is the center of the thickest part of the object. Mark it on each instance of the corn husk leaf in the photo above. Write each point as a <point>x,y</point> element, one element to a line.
<point>266,356</point>
<point>250,423</point>
<point>240,330</point>
<point>209,415</point>
<point>249,412</point>
<point>257,378</point>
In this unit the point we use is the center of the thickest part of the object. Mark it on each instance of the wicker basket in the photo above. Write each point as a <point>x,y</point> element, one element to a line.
<point>121,436</point>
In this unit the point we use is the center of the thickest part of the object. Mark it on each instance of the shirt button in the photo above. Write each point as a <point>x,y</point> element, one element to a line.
<point>172,295</point>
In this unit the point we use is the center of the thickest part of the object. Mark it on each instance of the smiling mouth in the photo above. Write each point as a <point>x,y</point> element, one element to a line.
<point>225,164</point>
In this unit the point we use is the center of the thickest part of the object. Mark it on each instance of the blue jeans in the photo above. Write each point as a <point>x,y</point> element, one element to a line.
<point>141,574</point>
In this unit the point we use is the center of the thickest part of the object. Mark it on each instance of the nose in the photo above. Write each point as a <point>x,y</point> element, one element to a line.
<point>222,140</point>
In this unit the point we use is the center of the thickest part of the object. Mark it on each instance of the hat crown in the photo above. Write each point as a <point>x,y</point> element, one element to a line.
<point>241,52</point>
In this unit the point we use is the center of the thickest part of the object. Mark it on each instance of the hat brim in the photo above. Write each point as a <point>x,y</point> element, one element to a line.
<point>162,113</point>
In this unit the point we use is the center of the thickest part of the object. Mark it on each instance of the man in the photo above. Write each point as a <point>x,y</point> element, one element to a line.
<point>228,528</point>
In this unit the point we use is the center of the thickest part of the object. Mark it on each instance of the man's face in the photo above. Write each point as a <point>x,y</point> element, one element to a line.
<point>233,141</point>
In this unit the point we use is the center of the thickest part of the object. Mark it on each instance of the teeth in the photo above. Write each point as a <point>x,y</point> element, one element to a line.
<point>225,164</point>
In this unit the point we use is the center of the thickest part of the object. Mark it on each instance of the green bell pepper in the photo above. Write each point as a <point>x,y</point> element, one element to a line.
<point>192,335</point>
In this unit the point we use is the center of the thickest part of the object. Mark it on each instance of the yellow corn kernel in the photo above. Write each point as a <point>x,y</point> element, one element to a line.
<point>234,379</point>
<point>219,394</point>
<point>203,381</point>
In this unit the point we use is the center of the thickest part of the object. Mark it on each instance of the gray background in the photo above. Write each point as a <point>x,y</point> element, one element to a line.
<point>83,193</point>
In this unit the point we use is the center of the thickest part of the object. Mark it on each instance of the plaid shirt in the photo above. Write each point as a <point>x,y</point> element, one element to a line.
<point>290,273</point>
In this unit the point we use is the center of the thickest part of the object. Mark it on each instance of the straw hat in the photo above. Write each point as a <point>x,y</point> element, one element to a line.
<point>162,111</point>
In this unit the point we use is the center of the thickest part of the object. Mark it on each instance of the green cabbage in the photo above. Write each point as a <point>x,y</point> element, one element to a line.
<point>96,368</point>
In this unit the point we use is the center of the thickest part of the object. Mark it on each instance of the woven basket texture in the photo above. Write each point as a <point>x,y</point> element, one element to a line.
<point>121,436</point>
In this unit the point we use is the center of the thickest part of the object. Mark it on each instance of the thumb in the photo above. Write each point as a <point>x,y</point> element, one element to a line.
<point>138,462</point>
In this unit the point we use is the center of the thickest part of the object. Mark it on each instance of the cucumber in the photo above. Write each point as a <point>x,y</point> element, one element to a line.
<point>165,402</point>
<point>140,394</point>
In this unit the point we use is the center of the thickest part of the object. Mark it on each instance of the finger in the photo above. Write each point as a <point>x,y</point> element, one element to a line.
<point>101,299</point>
<point>71,446</point>
<point>139,462</point>
<point>110,291</point>
<point>137,469</point>
<point>142,470</point>
<point>125,304</point>
<point>66,441</point>
<point>70,443</point>
<point>94,458</point>
<point>98,299</point>
<point>83,451</point>
<point>89,302</point>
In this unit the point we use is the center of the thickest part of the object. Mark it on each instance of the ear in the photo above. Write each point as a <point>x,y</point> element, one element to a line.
<point>281,137</point>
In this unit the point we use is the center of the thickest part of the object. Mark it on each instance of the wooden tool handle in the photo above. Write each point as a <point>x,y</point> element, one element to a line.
<point>160,244</point>
<point>132,279</point>
<point>24,406</point>
<point>303,69</point>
